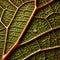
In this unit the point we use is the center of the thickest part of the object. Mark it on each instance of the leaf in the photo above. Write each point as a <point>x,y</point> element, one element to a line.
<point>21,17</point>
<point>46,41</point>
<point>29,30</point>
<point>39,2</point>
<point>2,37</point>
<point>19,23</point>
<point>48,55</point>
<point>43,20</point>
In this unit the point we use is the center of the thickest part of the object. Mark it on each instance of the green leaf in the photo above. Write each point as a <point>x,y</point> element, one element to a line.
<point>19,23</point>
<point>2,37</point>
<point>39,2</point>
<point>48,40</point>
<point>30,29</point>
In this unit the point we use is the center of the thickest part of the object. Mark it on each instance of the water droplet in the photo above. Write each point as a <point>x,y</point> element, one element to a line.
<point>35,30</point>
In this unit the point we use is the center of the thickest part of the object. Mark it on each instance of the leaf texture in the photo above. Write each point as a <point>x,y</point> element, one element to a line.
<point>30,30</point>
<point>19,23</point>
<point>46,41</point>
<point>2,37</point>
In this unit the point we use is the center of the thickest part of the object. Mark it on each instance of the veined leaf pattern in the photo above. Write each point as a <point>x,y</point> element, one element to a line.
<point>29,29</point>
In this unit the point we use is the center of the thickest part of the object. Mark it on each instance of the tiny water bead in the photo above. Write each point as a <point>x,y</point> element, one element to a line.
<point>34,30</point>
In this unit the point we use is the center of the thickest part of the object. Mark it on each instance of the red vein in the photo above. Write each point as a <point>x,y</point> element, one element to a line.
<point>3,13</point>
<point>5,41</point>
<point>3,24</point>
<point>35,3</point>
<point>32,16</point>
<point>12,4</point>
<point>39,35</point>
<point>27,22</point>
<point>16,44</point>
<point>26,25</point>
<point>48,3</point>
<point>41,50</point>
<point>13,18</point>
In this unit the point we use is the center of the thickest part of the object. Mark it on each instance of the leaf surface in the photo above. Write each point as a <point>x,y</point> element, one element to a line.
<point>30,29</point>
